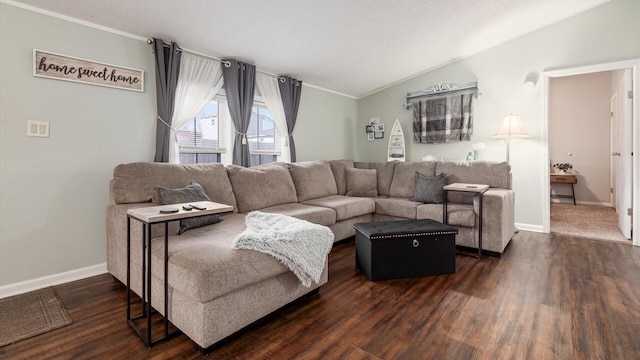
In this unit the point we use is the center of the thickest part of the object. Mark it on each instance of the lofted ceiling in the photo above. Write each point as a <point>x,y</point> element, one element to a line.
<point>353,47</point>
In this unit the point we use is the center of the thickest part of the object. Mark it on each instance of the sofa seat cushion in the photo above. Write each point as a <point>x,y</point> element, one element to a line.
<point>315,214</point>
<point>398,207</point>
<point>345,207</point>
<point>261,186</point>
<point>312,179</point>
<point>459,214</point>
<point>203,266</point>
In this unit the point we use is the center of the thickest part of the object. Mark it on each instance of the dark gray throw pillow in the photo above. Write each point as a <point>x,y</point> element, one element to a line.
<point>428,189</point>
<point>190,193</point>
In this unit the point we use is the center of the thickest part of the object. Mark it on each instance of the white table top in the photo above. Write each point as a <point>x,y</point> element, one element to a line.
<point>476,188</point>
<point>152,214</point>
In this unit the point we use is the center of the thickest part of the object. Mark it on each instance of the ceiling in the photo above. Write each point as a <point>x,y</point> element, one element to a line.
<point>354,47</point>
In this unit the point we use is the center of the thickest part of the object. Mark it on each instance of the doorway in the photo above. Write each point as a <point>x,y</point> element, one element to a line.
<point>632,131</point>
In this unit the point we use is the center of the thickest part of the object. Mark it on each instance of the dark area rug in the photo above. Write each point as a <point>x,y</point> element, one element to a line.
<point>30,314</point>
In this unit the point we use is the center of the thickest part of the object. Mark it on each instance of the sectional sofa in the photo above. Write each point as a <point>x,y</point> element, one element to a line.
<point>215,291</point>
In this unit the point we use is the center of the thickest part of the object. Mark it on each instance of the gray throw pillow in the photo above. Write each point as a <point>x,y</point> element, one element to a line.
<point>362,182</point>
<point>190,193</point>
<point>428,189</point>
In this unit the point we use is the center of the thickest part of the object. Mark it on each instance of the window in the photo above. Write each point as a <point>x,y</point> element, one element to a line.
<point>263,136</point>
<point>205,138</point>
<point>202,140</point>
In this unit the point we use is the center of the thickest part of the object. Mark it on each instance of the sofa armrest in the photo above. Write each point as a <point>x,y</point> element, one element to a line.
<point>498,218</point>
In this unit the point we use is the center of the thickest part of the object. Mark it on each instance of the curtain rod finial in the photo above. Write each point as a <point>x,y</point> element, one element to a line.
<point>149,41</point>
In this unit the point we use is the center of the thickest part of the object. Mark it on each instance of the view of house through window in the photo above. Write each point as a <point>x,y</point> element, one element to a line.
<point>200,139</point>
<point>208,138</point>
<point>263,137</point>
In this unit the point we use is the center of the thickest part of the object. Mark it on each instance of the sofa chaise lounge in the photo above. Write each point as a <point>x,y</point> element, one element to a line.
<point>215,291</point>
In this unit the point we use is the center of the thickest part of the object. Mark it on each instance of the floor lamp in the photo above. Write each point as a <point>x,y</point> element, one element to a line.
<point>511,127</point>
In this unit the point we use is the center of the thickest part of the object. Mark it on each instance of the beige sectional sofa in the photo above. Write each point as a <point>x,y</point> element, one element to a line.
<point>215,291</point>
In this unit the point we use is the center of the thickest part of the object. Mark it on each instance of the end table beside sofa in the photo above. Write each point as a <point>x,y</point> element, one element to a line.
<point>214,291</point>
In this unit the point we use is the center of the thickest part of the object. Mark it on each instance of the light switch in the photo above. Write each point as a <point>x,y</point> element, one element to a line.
<point>37,128</point>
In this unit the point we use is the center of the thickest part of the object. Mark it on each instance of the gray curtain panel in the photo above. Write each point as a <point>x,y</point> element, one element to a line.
<point>442,120</point>
<point>167,69</point>
<point>290,90</point>
<point>239,85</point>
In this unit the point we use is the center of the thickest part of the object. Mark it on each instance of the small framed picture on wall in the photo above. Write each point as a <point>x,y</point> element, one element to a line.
<point>370,136</point>
<point>378,135</point>
<point>374,121</point>
<point>369,129</point>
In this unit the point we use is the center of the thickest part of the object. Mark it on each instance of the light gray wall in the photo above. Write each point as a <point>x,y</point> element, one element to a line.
<point>325,126</point>
<point>580,133</point>
<point>53,192</point>
<point>607,33</point>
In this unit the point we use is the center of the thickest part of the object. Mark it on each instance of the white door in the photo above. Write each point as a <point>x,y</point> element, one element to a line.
<point>624,185</point>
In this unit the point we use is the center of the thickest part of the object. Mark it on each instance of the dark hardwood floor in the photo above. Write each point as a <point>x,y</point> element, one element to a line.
<point>548,297</point>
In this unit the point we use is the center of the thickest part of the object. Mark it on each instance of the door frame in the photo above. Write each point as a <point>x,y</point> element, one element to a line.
<point>544,166</point>
<point>612,134</point>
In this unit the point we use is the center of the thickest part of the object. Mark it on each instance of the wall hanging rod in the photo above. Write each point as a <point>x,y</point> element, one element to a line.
<point>440,89</point>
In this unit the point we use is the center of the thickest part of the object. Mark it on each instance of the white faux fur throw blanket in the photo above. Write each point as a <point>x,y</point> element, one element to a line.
<point>300,245</point>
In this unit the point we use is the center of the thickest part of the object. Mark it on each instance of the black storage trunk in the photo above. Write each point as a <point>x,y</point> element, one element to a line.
<point>406,248</point>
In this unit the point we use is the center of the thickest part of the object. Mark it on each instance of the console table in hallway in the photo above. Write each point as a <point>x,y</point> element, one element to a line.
<point>568,179</point>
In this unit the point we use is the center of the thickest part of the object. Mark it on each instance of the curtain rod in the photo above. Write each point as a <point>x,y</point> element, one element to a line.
<point>439,89</point>
<point>226,63</point>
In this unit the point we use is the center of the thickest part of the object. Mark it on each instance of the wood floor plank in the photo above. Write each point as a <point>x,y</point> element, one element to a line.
<point>550,296</point>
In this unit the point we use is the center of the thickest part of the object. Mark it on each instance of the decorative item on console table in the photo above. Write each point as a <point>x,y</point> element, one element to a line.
<point>564,168</point>
<point>476,150</point>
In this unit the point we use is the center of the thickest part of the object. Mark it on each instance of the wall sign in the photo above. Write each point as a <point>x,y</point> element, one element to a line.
<point>61,67</point>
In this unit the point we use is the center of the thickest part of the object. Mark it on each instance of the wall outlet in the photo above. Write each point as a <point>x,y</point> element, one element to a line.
<point>37,128</point>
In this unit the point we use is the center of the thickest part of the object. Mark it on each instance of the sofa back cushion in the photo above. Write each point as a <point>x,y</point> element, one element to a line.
<point>362,182</point>
<point>261,186</point>
<point>492,173</point>
<point>338,167</point>
<point>384,172</point>
<point>136,182</point>
<point>312,179</point>
<point>404,177</point>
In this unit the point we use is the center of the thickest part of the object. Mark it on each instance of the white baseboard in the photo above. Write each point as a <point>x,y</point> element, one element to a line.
<point>50,280</point>
<point>529,227</point>
<point>578,202</point>
<point>593,203</point>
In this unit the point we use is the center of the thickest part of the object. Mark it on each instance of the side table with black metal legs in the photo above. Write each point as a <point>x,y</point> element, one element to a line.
<point>479,190</point>
<point>155,215</point>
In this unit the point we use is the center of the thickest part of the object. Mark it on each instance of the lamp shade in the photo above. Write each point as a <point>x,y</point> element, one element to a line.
<point>511,128</point>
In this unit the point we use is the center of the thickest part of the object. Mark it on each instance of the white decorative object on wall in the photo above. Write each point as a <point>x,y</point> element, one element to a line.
<point>396,143</point>
<point>374,129</point>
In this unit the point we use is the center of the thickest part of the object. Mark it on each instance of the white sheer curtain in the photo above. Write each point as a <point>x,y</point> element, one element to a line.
<point>199,80</point>
<point>268,88</point>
